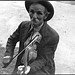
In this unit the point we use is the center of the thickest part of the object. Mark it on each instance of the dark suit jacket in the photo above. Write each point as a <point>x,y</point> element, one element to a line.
<point>44,63</point>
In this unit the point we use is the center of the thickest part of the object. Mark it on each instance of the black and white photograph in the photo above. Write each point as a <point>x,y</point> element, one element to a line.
<point>37,37</point>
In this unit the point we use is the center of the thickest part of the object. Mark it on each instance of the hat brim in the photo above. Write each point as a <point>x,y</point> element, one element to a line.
<point>46,4</point>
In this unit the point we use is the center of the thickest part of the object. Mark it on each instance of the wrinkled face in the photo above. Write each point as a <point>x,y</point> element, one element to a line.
<point>37,14</point>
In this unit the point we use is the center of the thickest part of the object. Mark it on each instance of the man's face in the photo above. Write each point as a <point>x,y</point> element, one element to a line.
<point>37,14</point>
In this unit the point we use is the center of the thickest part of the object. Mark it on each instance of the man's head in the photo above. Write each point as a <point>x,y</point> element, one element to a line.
<point>39,11</point>
<point>37,14</point>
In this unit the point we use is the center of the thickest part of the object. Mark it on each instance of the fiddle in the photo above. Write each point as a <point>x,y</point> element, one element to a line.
<point>29,51</point>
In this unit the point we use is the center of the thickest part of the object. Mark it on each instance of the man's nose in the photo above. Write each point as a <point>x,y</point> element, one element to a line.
<point>35,15</point>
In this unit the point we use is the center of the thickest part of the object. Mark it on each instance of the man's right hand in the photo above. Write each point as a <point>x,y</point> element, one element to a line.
<point>6,60</point>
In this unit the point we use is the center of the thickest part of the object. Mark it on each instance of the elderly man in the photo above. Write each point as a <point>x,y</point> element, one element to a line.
<point>41,60</point>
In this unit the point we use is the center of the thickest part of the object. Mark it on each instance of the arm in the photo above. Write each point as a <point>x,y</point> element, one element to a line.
<point>11,43</point>
<point>12,40</point>
<point>46,56</point>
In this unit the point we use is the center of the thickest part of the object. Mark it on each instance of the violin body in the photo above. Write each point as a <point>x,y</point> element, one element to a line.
<point>30,50</point>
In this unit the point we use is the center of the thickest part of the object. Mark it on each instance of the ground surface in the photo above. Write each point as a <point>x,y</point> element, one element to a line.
<point>12,13</point>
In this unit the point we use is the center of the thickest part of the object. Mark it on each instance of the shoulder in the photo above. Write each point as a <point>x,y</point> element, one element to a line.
<point>49,31</point>
<point>51,34</point>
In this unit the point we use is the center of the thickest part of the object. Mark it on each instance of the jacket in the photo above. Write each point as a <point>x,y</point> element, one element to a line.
<point>44,63</point>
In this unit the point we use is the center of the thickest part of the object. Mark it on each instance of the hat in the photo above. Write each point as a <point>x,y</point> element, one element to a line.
<point>45,3</point>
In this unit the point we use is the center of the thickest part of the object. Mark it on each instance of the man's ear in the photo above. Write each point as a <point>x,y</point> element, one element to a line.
<point>46,14</point>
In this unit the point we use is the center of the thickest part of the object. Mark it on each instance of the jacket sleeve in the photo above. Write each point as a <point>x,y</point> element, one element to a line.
<point>46,56</point>
<point>11,43</point>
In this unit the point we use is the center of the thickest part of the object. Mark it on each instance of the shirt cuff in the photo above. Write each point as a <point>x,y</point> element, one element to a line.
<point>7,57</point>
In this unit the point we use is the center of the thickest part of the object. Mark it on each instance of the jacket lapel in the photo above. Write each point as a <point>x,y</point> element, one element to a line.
<point>26,32</point>
<point>43,33</point>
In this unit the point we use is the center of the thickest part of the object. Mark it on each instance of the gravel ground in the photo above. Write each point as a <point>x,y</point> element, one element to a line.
<point>10,68</point>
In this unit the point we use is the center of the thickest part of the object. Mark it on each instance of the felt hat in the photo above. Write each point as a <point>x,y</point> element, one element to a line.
<point>45,3</point>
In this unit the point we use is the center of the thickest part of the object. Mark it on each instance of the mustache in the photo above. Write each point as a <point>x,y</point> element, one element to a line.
<point>34,20</point>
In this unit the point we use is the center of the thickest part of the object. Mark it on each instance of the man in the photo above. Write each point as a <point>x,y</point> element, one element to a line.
<point>40,12</point>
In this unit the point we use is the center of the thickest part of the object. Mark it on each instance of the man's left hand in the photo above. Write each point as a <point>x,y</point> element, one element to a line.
<point>22,68</point>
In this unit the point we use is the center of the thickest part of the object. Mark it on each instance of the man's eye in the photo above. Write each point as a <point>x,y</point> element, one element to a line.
<point>32,11</point>
<point>39,13</point>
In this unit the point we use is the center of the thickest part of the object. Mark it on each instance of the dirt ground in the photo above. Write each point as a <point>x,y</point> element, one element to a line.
<point>12,13</point>
<point>10,68</point>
